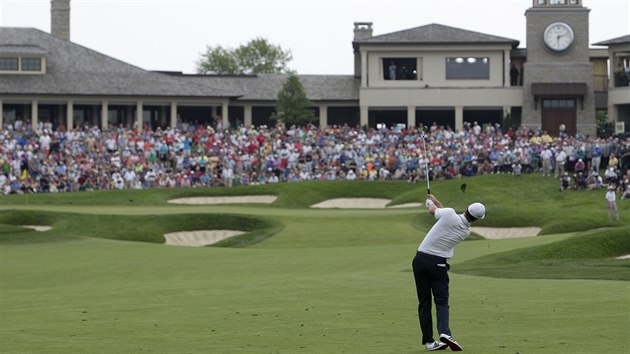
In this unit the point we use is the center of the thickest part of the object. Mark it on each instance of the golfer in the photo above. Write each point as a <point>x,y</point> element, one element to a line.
<point>430,268</point>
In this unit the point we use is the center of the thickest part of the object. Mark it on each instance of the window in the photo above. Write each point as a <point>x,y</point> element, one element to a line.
<point>31,64</point>
<point>557,2</point>
<point>467,68</point>
<point>9,64</point>
<point>400,69</point>
<point>559,103</point>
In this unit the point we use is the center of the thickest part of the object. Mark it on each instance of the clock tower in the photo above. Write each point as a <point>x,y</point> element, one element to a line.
<point>558,75</point>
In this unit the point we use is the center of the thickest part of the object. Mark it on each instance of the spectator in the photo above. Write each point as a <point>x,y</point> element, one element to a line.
<point>565,182</point>
<point>596,159</point>
<point>611,198</point>
<point>580,166</point>
<point>561,159</point>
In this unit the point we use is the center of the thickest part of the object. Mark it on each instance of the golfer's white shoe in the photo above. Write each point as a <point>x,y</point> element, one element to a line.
<point>448,340</point>
<point>436,346</point>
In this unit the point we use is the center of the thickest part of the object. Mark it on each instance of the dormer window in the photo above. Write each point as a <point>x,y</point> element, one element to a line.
<point>31,64</point>
<point>22,60</point>
<point>9,64</point>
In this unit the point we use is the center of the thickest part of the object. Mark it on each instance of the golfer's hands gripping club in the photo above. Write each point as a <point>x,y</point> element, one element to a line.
<point>432,201</point>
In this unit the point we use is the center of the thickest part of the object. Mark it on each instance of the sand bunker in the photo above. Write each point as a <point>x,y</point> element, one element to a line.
<point>199,238</point>
<point>624,257</point>
<point>495,233</point>
<point>359,203</point>
<point>264,199</point>
<point>38,227</point>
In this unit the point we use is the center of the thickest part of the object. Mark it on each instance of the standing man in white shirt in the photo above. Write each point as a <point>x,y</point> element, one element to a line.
<point>611,198</point>
<point>430,268</point>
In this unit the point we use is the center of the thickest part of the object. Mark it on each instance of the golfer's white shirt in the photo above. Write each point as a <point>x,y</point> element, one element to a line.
<point>449,230</point>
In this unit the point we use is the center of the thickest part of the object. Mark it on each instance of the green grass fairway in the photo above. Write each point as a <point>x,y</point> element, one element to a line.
<point>309,281</point>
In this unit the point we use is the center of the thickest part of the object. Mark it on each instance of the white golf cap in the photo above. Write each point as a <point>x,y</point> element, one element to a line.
<point>477,210</point>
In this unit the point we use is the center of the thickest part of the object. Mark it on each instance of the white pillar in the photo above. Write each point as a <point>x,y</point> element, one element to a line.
<point>104,115</point>
<point>247,119</point>
<point>364,116</point>
<point>506,110</point>
<point>34,114</point>
<point>612,112</point>
<point>506,69</point>
<point>224,114</point>
<point>364,70</point>
<point>69,115</point>
<point>139,115</point>
<point>459,118</point>
<point>411,116</point>
<point>323,116</point>
<point>173,114</point>
<point>1,115</point>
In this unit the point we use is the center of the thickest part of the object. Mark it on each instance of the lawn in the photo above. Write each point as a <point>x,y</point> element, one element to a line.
<point>308,281</point>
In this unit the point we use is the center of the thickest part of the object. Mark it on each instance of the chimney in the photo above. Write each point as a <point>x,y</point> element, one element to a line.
<point>362,30</point>
<point>60,19</point>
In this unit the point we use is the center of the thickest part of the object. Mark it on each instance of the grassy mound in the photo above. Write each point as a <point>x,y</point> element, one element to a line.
<point>589,255</point>
<point>143,228</point>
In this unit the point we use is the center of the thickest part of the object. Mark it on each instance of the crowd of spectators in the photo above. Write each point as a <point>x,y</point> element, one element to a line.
<point>60,160</point>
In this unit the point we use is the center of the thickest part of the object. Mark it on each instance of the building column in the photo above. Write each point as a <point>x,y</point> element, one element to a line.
<point>104,115</point>
<point>34,114</point>
<point>247,112</point>
<point>612,113</point>
<point>1,114</point>
<point>364,70</point>
<point>506,69</point>
<point>224,114</point>
<point>363,120</point>
<point>459,118</point>
<point>411,117</point>
<point>173,114</point>
<point>323,116</point>
<point>69,115</point>
<point>139,115</point>
<point>506,110</point>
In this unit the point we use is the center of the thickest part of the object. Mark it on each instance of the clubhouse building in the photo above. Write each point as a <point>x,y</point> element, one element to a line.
<point>423,75</point>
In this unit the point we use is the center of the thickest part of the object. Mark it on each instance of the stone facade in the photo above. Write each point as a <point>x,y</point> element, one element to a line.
<point>570,66</point>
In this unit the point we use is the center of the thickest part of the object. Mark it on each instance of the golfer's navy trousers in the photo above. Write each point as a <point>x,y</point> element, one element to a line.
<point>431,275</point>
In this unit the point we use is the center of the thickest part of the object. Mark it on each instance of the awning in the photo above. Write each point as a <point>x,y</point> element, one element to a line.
<point>559,89</point>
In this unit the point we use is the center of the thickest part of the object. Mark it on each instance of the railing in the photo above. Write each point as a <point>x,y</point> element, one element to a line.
<point>622,79</point>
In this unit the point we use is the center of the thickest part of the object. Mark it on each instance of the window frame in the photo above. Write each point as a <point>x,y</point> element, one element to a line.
<point>465,70</point>
<point>28,68</point>
<point>9,68</point>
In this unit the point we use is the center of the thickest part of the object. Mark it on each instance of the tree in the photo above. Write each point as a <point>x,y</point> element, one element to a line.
<point>217,60</point>
<point>292,106</point>
<point>256,57</point>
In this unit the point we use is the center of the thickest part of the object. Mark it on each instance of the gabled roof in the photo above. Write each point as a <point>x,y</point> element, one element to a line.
<point>436,34</point>
<point>619,40</point>
<point>265,87</point>
<point>72,69</point>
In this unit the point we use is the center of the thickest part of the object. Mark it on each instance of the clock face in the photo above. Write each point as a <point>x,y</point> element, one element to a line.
<point>558,36</point>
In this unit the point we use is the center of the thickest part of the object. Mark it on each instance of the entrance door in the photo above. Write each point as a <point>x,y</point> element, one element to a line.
<point>556,112</point>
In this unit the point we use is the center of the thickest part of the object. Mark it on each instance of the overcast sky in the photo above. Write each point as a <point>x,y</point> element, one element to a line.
<point>171,34</point>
